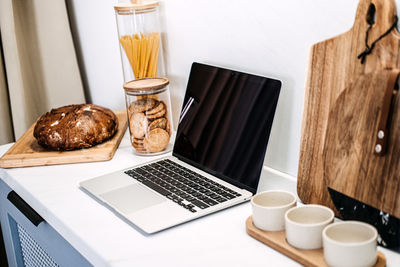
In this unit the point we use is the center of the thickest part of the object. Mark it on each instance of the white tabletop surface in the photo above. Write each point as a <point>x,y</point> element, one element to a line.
<point>104,239</point>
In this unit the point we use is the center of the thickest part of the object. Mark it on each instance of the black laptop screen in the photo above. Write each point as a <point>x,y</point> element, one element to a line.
<point>225,123</point>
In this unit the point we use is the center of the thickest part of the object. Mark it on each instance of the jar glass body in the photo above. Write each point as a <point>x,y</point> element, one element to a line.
<point>150,120</point>
<point>140,42</point>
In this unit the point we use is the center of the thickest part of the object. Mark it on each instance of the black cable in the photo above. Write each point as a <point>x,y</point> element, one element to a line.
<point>368,49</point>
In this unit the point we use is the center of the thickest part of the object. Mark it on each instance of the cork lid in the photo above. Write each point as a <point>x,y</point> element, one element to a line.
<point>146,85</point>
<point>135,5</point>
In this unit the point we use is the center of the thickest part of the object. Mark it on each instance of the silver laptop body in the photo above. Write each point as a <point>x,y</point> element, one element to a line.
<point>218,153</point>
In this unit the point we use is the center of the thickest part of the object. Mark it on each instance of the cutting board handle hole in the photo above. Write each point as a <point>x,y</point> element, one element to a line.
<point>371,14</point>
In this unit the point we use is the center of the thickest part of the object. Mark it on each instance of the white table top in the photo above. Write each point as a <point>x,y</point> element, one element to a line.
<point>219,239</point>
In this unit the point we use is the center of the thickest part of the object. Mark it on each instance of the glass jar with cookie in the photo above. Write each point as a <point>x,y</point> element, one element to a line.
<point>149,115</point>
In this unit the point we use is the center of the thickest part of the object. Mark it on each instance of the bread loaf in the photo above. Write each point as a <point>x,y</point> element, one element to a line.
<point>75,126</point>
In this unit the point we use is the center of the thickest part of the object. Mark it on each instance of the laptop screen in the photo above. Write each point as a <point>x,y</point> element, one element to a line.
<point>225,123</point>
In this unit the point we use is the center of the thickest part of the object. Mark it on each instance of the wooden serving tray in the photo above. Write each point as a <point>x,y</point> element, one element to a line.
<point>26,152</point>
<point>277,241</point>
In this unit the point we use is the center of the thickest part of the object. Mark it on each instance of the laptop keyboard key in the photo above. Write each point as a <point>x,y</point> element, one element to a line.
<point>174,190</point>
<point>185,195</point>
<point>202,197</point>
<point>214,196</point>
<point>196,194</point>
<point>210,202</point>
<point>204,191</point>
<point>228,196</point>
<point>189,198</point>
<point>169,187</point>
<point>199,204</point>
<point>220,191</point>
<point>208,193</point>
<point>190,191</point>
<point>180,193</point>
<point>221,199</point>
<point>156,187</point>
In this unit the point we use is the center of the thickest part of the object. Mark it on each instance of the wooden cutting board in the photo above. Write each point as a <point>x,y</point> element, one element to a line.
<point>333,67</point>
<point>350,164</point>
<point>26,152</point>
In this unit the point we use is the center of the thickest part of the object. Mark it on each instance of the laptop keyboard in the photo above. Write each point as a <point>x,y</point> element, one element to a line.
<point>185,187</point>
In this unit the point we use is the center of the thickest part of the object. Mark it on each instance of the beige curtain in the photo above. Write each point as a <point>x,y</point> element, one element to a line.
<point>41,70</point>
<point>6,133</point>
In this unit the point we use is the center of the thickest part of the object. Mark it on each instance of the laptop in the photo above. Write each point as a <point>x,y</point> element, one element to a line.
<point>217,158</point>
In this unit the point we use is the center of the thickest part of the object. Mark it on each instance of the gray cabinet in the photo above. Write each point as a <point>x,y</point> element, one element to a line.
<point>29,240</point>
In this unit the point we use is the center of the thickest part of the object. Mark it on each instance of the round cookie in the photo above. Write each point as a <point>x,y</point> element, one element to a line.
<point>138,125</point>
<point>137,143</point>
<point>138,140</point>
<point>158,123</point>
<point>166,109</point>
<point>75,126</point>
<point>156,109</point>
<point>159,114</point>
<point>168,128</point>
<point>156,140</point>
<point>142,105</point>
<point>138,146</point>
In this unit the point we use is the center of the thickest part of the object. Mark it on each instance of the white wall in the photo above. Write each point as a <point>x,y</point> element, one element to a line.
<point>266,37</point>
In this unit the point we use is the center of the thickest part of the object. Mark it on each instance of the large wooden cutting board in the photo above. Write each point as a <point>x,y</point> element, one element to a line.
<point>333,67</point>
<point>26,152</point>
<point>350,164</point>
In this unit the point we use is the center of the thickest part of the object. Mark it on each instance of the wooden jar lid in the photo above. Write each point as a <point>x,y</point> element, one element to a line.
<point>135,6</point>
<point>146,85</point>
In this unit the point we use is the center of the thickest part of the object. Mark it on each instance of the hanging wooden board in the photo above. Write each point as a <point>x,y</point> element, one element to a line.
<point>333,69</point>
<point>350,164</point>
<point>26,152</point>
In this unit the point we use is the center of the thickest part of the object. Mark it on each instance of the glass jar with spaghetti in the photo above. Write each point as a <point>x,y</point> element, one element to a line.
<point>140,39</point>
<point>149,115</point>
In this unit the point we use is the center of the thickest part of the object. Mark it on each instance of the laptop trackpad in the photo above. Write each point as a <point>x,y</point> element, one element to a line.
<point>132,198</point>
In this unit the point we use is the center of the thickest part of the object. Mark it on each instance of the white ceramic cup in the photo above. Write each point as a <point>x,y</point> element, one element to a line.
<point>350,243</point>
<point>304,225</point>
<point>269,209</point>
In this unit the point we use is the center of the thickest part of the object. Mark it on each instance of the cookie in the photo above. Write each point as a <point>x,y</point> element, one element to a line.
<point>158,123</point>
<point>143,105</point>
<point>138,140</point>
<point>141,150</point>
<point>159,114</point>
<point>166,109</point>
<point>156,140</point>
<point>138,146</point>
<point>168,128</point>
<point>158,107</point>
<point>138,125</point>
<point>138,143</point>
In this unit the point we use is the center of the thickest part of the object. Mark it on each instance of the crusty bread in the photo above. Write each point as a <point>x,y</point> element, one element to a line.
<point>75,127</point>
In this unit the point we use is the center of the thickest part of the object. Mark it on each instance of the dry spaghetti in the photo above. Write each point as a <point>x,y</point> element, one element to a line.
<point>142,52</point>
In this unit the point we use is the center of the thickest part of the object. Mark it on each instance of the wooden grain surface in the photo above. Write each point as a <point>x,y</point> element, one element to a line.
<point>26,152</point>
<point>309,258</point>
<point>333,66</point>
<point>350,165</point>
